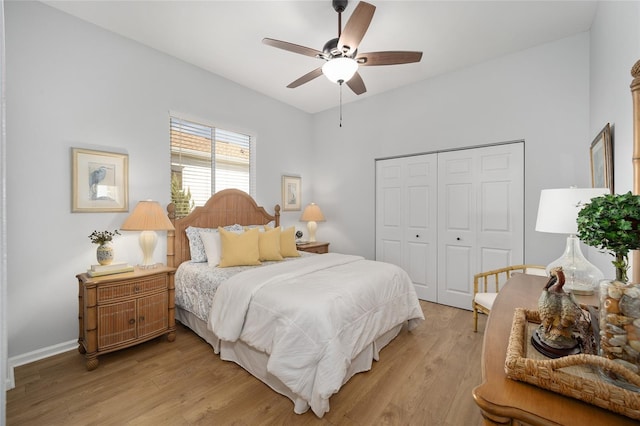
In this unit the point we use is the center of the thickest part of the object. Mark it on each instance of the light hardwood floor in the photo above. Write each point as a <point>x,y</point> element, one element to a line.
<point>424,377</point>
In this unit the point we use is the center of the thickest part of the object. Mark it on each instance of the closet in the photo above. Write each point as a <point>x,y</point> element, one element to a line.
<point>445,216</point>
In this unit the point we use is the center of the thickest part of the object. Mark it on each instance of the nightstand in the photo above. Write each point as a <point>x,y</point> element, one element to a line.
<point>315,247</point>
<point>121,310</point>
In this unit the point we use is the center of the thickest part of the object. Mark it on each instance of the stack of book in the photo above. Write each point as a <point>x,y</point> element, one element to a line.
<point>113,268</point>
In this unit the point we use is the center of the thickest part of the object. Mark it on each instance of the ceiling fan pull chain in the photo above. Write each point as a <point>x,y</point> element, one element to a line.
<point>340,104</point>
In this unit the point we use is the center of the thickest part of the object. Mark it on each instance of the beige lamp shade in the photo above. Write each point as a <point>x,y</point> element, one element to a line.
<point>147,217</point>
<point>311,215</point>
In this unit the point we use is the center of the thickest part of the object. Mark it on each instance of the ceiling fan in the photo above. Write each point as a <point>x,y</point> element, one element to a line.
<point>341,53</point>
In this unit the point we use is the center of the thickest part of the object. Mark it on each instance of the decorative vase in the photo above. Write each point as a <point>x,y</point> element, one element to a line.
<point>104,254</point>
<point>619,326</point>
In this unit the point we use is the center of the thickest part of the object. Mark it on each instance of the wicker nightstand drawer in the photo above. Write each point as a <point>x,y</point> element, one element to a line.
<point>133,287</point>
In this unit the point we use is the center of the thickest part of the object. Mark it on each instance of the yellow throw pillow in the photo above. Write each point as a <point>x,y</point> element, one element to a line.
<point>269,244</point>
<point>288,243</point>
<point>239,249</point>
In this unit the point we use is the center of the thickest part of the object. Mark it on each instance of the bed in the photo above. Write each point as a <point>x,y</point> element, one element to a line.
<point>305,324</point>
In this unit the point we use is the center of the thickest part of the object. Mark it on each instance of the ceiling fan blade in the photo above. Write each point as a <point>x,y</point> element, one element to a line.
<point>356,27</point>
<point>388,58</point>
<point>295,48</point>
<point>356,84</point>
<point>306,78</point>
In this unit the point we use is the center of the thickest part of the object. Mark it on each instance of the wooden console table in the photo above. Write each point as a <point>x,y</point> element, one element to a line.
<point>508,402</point>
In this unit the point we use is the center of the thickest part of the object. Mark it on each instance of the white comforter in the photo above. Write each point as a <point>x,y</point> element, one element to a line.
<point>313,316</point>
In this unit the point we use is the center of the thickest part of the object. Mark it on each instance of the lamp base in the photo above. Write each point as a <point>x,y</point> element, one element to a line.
<point>582,277</point>
<point>148,241</point>
<point>312,226</point>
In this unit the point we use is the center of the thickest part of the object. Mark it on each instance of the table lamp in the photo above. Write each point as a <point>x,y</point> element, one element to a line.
<point>558,214</point>
<point>147,217</point>
<point>311,215</point>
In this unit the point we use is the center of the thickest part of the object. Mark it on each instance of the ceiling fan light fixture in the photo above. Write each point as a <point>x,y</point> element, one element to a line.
<point>340,70</point>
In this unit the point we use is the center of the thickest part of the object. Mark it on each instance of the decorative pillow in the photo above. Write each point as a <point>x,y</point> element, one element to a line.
<point>196,247</point>
<point>239,249</point>
<point>211,243</point>
<point>269,244</point>
<point>288,243</point>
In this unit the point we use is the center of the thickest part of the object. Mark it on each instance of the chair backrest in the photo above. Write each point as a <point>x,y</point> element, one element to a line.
<point>498,277</point>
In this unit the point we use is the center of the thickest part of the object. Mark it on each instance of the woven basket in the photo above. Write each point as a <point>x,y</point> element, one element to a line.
<point>557,375</point>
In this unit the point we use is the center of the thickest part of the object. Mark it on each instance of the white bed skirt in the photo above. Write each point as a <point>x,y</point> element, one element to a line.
<point>255,362</point>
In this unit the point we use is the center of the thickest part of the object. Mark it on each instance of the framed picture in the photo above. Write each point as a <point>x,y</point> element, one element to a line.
<point>602,160</point>
<point>291,192</point>
<point>100,181</point>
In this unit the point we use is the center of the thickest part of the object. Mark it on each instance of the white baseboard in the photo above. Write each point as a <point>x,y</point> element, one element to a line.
<point>36,355</point>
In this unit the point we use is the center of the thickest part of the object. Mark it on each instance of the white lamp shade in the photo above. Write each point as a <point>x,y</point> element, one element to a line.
<point>558,208</point>
<point>340,70</point>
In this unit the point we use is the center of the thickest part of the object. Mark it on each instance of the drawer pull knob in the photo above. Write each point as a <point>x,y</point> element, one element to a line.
<point>141,318</point>
<point>132,321</point>
<point>417,235</point>
<point>136,289</point>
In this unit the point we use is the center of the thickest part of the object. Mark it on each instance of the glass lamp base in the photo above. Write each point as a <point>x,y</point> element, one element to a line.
<point>581,276</point>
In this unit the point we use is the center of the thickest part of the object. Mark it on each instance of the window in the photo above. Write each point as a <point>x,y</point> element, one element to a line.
<point>205,160</point>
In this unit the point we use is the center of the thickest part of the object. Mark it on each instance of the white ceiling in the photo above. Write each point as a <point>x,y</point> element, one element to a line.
<point>224,37</point>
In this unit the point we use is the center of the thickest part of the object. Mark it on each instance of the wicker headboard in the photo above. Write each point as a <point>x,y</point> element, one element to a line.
<point>224,208</point>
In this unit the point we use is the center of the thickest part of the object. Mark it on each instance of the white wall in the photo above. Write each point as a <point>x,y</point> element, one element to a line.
<point>540,95</point>
<point>71,84</point>
<point>614,48</point>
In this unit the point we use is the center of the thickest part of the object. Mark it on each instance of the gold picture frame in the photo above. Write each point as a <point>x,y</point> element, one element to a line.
<point>601,154</point>
<point>291,193</point>
<point>100,181</point>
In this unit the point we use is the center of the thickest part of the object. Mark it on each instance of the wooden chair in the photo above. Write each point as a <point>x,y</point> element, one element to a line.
<point>483,296</point>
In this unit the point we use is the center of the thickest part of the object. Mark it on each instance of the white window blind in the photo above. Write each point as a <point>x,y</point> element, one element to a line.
<point>207,159</point>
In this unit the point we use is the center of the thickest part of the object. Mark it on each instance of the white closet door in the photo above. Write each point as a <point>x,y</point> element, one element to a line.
<point>406,218</point>
<point>480,215</point>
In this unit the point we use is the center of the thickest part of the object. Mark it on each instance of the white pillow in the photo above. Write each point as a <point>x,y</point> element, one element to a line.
<point>196,247</point>
<point>212,248</point>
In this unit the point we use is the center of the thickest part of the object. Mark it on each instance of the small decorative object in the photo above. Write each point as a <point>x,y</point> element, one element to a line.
<point>611,223</point>
<point>291,193</point>
<point>104,253</point>
<point>299,234</point>
<point>559,314</point>
<point>620,328</point>
<point>311,215</point>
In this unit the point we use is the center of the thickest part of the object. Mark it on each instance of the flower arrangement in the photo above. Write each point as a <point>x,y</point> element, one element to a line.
<point>101,237</point>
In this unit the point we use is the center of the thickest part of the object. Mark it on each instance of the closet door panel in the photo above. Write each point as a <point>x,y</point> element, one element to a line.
<point>500,206</point>
<point>389,232</point>
<point>458,259</point>
<point>406,191</point>
<point>457,227</point>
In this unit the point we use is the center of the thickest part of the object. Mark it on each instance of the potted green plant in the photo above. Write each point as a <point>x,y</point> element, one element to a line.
<point>104,253</point>
<point>611,223</point>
